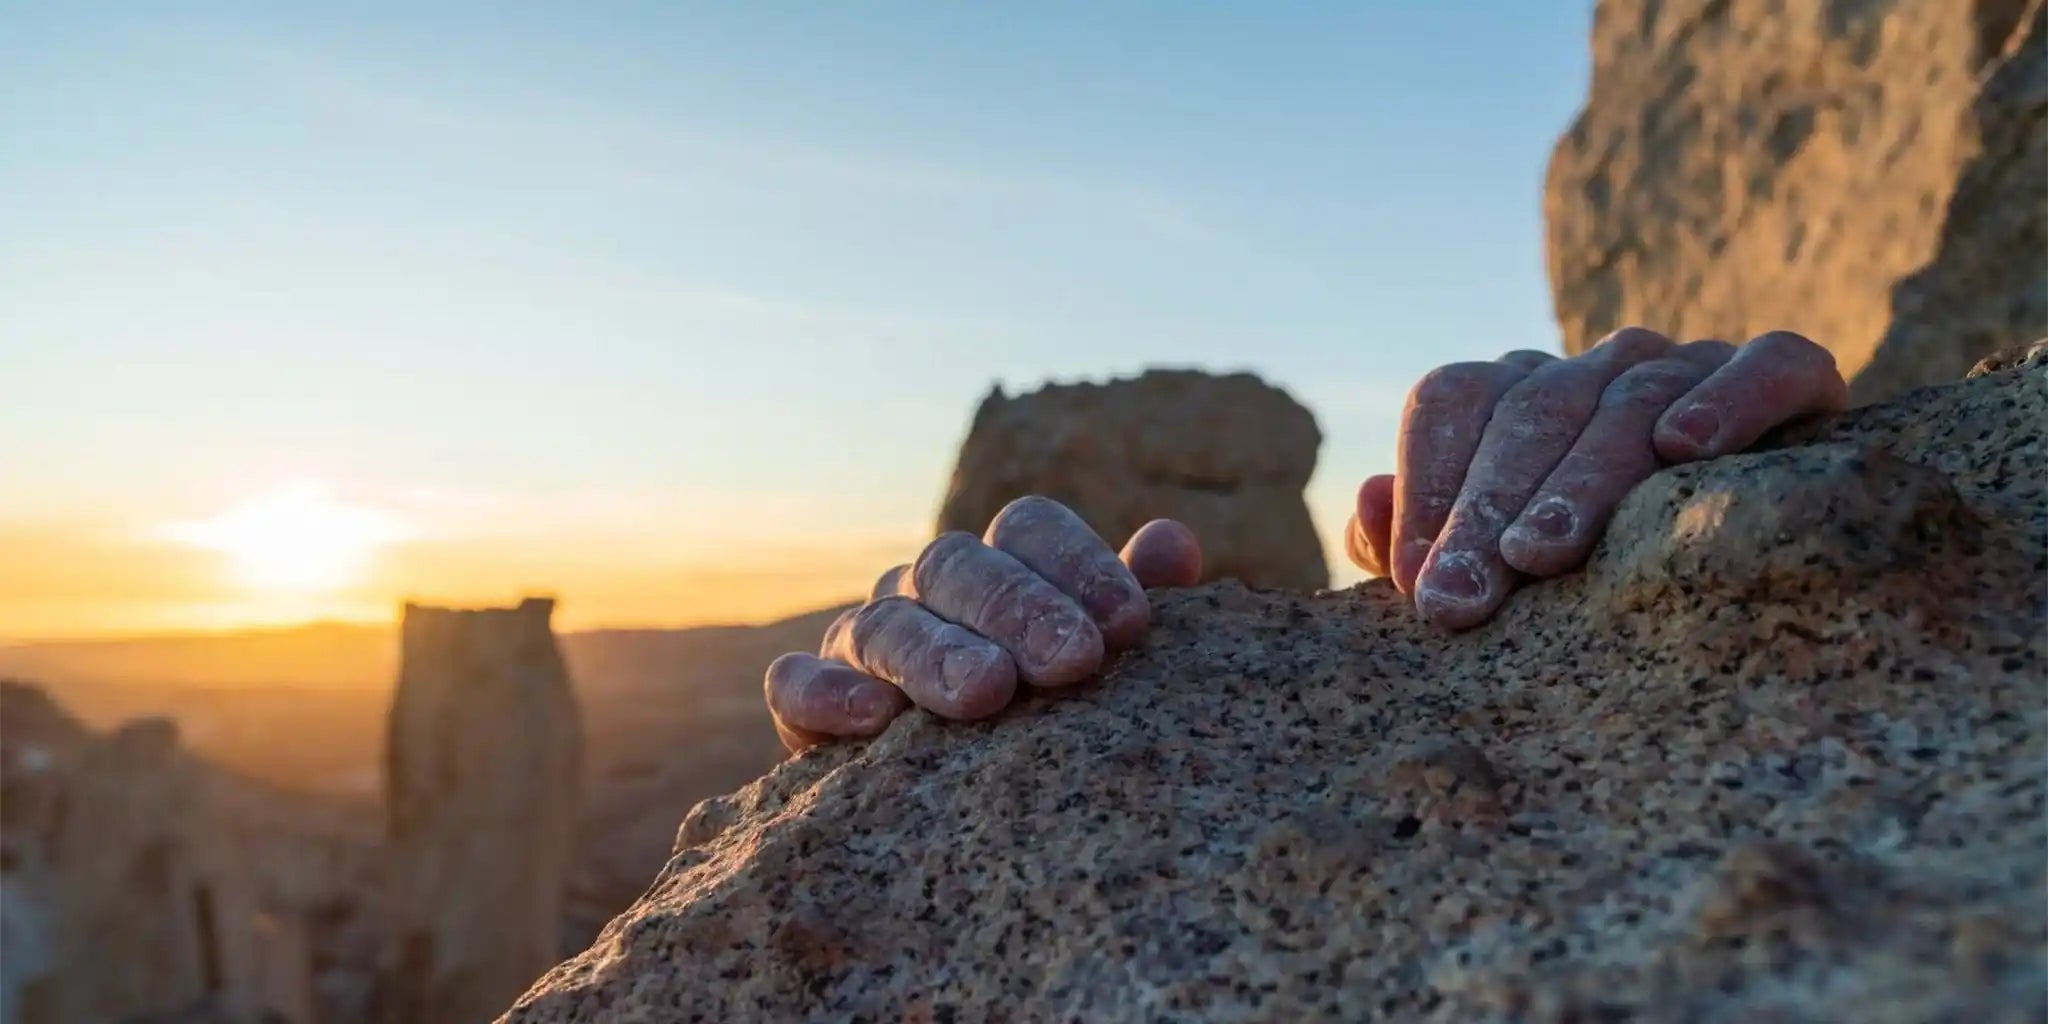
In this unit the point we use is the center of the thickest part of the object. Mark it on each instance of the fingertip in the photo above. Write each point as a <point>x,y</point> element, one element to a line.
<point>1456,592</point>
<point>1164,553</point>
<point>1375,523</point>
<point>1688,431</point>
<point>871,705</point>
<point>813,698</point>
<point>1409,559</point>
<point>975,682</point>
<point>1123,627</point>
<point>796,740</point>
<point>892,583</point>
<point>1079,657</point>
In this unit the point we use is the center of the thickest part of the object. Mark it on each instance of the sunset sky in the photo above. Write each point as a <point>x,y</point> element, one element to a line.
<point>679,310</point>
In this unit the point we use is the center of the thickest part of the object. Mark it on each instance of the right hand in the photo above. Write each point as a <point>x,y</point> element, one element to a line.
<point>1039,598</point>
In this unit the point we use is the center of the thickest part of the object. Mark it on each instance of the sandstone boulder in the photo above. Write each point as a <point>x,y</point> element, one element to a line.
<point>1228,455</point>
<point>485,750</point>
<point>1777,754</point>
<point>1871,173</point>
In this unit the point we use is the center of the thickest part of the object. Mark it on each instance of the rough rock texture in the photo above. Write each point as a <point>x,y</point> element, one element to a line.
<point>484,754</point>
<point>1873,173</point>
<point>1778,754</point>
<point>1228,455</point>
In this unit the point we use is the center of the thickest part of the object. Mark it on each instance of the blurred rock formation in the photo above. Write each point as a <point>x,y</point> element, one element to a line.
<point>1227,455</point>
<point>484,758</point>
<point>1873,174</point>
<point>128,888</point>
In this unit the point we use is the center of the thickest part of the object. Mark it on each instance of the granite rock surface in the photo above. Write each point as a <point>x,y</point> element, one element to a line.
<point>1873,173</point>
<point>1227,455</point>
<point>1778,754</point>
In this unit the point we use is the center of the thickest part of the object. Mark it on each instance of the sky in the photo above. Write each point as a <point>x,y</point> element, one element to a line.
<point>679,310</point>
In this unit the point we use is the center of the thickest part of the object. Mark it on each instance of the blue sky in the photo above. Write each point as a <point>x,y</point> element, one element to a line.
<point>724,282</point>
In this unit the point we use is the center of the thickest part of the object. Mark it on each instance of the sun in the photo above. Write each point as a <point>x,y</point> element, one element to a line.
<point>297,538</point>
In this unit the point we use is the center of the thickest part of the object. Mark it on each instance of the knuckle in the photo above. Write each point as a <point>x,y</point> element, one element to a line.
<point>890,583</point>
<point>1707,352</point>
<point>1453,385</point>
<point>1790,346</point>
<point>837,634</point>
<point>1631,342</point>
<point>1546,391</point>
<point>1029,516</point>
<point>1029,505</point>
<point>937,554</point>
<point>1657,382</point>
<point>868,620</point>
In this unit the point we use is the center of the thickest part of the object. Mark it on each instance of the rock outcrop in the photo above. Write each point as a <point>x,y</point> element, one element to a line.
<point>1871,173</point>
<point>1778,753</point>
<point>1227,455</point>
<point>484,757</point>
<point>123,894</point>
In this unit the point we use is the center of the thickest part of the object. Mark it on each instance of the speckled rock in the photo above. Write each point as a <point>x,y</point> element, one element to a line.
<point>1777,755</point>
<point>1873,173</point>
<point>1228,455</point>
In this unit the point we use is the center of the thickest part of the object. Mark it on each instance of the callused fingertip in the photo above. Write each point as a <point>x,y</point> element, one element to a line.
<point>1078,657</point>
<point>1164,553</point>
<point>870,707</point>
<point>1688,431</point>
<point>975,682</point>
<point>1453,593</point>
<point>1123,627</point>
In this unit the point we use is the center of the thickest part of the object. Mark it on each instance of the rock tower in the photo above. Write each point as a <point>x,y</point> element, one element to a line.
<point>1227,455</point>
<point>482,768</point>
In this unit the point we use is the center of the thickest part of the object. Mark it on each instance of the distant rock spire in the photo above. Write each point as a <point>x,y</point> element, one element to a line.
<point>483,758</point>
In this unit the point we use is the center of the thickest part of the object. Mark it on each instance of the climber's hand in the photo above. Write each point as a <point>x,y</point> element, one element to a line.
<point>1039,598</point>
<point>1516,465</point>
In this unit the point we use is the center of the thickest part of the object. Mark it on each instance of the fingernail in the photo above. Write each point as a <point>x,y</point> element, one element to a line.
<point>1552,519</point>
<point>1698,424</point>
<point>1456,578</point>
<point>867,704</point>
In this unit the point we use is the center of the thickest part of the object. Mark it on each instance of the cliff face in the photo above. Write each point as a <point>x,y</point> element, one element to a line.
<point>1227,455</point>
<point>1873,174</point>
<point>485,748</point>
<point>1781,752</point>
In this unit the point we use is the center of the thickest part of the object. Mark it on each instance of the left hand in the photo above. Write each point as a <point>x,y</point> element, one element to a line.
<point>1514,467</point>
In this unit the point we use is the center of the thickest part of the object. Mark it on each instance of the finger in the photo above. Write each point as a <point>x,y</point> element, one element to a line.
<point>1567,515</point>
<point>1776,377</point>
<point>1372,523</point>
<point>1164,553</point>
<point>892,583</point>
<point>813,699</point>
<point>795,740</point>
<point>1052,641</point>
<point>1447,411</point>
<point>942,667</point>
<point>1526,359</point>
<point>1050,540</point>
<point>1464,578</point>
